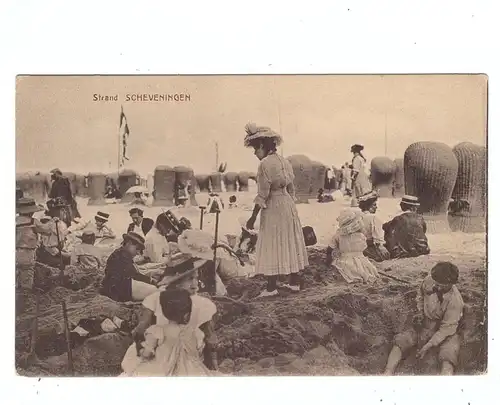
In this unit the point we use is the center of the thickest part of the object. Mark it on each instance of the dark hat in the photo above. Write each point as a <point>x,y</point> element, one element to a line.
<point>135,238</point>
<point>136,211</point>
<point>369,197</point>
<point>56,171</point>
<point>27,205</point>
<point>357,147</point>
<point>168,219</point>
<point>445,273</point>
<point>102,216</point>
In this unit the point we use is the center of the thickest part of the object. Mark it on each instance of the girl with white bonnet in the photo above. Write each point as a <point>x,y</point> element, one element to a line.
<point>345,252</point>
<point>281,249</point>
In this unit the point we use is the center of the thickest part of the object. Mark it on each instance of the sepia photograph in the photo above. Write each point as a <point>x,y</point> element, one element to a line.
<point>251,225</point>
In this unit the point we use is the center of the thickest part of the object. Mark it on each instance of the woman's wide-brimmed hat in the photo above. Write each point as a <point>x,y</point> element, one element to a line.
<point>56,171</point>
<point>27,205</point>
<point>357,147</point>
<point>368,198</point>
<point>135,238</point>
<point>255,132</point>
<point>410,200</point>
<point>102,216</point>
<point>349,221</point>
<point>196,243</point>
<point>181,271</point>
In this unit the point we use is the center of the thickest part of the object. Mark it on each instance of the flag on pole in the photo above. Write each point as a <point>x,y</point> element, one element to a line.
<point>124,134</point>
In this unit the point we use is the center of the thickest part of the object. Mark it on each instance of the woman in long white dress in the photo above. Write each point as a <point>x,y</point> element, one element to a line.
<point>281,248</point>
<point>360,182</point>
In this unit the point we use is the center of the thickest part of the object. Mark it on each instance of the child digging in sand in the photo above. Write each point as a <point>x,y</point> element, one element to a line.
<point>440,310</point>
<point>171,349</point>
<point>348,245</point>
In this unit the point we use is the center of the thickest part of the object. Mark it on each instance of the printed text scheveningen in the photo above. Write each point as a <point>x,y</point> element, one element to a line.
<point>155,97</point>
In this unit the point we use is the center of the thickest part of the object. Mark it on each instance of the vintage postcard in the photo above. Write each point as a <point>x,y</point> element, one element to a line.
<point>268,225</point>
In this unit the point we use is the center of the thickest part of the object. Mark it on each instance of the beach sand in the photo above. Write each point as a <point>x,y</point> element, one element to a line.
<point>330,328</point>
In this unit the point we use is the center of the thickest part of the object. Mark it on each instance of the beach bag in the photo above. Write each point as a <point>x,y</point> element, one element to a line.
<point>309,236</point>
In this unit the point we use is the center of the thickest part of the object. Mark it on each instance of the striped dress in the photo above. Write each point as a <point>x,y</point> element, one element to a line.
<point>280,246</point>
<point>362,184</point>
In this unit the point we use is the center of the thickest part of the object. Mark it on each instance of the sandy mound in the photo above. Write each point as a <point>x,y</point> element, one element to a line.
<point>355,323</point>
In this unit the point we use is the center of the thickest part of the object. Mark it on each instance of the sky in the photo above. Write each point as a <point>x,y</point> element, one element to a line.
<point>59,125</point>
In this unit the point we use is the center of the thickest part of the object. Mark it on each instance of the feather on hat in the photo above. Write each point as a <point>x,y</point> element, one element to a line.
<point>255,132</point>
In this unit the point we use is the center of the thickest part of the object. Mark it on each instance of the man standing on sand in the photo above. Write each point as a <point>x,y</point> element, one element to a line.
<point>440,309</point>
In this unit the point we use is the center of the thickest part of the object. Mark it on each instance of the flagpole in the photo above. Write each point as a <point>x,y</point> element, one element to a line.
<point>216,156</point>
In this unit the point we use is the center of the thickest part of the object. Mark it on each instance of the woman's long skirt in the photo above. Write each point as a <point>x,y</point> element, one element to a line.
<point>280,246</point>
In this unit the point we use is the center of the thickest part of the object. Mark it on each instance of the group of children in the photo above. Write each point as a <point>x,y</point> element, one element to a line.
<point>362,237</point>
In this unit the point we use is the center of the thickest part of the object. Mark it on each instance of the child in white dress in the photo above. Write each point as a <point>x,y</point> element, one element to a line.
<point>171,349</point>
<point>345,252</point>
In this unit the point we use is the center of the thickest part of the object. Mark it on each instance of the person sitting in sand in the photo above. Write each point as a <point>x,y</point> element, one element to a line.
<point>232,202</point>
<point>122,281</point>
<point>169,349</point>
<point>139,224</point>
<point>27,235</point>
<point>405,234</point>
<point>324,197</point>
<point>372,228</point>
<point>345,252</point>
<point>203,310</point>
<point>52,237</point>
<point>440,309</point>
<point>101,229</point>
<point>157,248</point>
<point>86,255</point>
<point>139,199</point>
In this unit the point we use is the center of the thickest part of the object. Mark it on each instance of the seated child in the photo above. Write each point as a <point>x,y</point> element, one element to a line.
<point>348,244</point>
<point>171,349</point>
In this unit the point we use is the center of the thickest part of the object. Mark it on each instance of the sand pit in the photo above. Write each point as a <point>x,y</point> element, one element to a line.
<point>330,328</point>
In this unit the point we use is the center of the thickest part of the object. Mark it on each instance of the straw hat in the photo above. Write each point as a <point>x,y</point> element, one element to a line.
<point>27,205</point>
<point>349,221</point>
<point>102,216</point>
<point>135,238</point>
<point>181,271</point>
<point>196,243</point>
<point>254,132</point>
<point>410,200</point>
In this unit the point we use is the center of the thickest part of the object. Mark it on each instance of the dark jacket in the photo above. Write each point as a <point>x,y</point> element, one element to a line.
<point>62,188</point>
<point>405,236</point>
<point>119,273</point>
<point>146,225</point>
